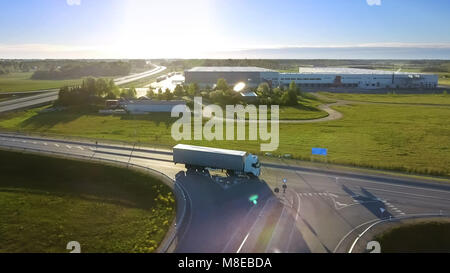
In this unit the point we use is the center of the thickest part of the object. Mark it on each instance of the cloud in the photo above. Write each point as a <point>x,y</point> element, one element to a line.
<point>77,2</point>
<point>370,2</point>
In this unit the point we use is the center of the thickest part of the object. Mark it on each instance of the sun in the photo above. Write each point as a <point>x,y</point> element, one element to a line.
<point>167,28</point>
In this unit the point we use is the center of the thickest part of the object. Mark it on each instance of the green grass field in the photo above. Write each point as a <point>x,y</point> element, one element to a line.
<point>15,82</point>
<point>438,99</point>
<point>408,138</point>
<point>444,79</point>
<point>306,109</point>
<point>47,202</point>
<point>416,238</point>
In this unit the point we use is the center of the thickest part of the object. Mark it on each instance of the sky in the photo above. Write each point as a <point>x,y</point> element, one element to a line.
<point>414,29</point>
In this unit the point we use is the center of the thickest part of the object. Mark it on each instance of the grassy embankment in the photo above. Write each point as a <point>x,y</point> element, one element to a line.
<point>47,202</point>
<point>408,138</point>
<point>418,238</point>
<point>16,82</point>
<point>431,99</point>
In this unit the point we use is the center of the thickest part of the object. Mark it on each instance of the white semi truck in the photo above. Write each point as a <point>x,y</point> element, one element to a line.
<point>234,162</point>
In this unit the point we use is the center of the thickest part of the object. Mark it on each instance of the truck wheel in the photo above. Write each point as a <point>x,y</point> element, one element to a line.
<point>230,173</point>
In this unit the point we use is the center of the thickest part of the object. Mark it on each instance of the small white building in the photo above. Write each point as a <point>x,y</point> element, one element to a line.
<point>145,106</point>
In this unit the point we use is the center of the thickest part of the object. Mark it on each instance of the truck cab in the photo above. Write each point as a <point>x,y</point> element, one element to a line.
<point>252,165</point>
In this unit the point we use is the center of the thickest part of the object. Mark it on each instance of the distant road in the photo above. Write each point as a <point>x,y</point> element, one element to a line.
<point>50,95</point>
<point>30,101</point>
<point>28,92</point>
<point>135,77</point>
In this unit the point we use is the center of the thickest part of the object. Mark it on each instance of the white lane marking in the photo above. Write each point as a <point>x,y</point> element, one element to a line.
<point>275,229</point>
<point>373,182</point>
<point>34,142</point>
<point>394,208</point>
<point>45,143</point>
<point>68,146</point>
<point>245,219</point>
<point>79,147</point>
<point>295,222</point>
<point>412,194</point>
<point>24,141</point>
<point>57,145</point>
<point>242,244</point>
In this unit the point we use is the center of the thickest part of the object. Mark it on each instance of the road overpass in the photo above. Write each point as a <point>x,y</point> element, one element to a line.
<point>322,210</point>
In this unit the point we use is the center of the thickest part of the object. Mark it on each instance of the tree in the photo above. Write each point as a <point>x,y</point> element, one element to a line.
<point>150,93</point>
<point>129,93</point>
<point>178,91</point>
<point>289,97</point>
<point>264,90</point>
<point>217,96</point>
<point>168,95</point>
<point>193,89</point>
<point>222,85</point>
<point>160,94</point>
<point>101,87</point>
<point>293,87</point>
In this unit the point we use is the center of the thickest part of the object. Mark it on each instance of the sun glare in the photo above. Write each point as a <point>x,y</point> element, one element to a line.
<point>166,28</point>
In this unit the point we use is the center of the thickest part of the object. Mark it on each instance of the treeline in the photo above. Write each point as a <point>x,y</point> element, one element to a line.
<point>223,94</point>
<point>439,69</point>
<point>91,91</point>
<point>13,66</point>
<point>79,70</point>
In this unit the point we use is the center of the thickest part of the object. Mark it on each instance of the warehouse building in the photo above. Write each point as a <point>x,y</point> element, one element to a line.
<point>322,77</point>
<point>208,76</point>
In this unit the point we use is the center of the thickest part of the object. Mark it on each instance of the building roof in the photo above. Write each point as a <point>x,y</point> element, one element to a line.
<point>229,69</point>
<point>346,70</point>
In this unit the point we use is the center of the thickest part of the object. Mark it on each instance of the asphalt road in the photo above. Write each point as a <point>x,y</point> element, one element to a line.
<point>29,101</point>
<point>322,210</point>
<point>135,77</point>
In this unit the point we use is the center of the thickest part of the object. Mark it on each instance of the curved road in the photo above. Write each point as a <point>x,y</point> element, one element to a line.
<point>322,210</point>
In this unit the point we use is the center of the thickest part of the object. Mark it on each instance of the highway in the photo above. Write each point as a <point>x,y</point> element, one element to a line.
<point>30,101</point>
<point>49,96</point>
<point>322,210</point>
<point>135,77</point>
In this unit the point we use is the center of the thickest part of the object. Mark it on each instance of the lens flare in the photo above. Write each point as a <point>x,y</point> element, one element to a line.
<point>239,87</point>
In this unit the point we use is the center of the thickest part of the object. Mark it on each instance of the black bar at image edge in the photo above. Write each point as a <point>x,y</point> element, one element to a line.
<point>220,262</point>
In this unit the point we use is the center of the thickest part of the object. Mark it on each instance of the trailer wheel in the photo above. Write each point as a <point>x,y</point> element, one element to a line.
<point>230,173</point>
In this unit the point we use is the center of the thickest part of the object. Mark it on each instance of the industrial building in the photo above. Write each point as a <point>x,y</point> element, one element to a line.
<point>207,76</point>
<point>319,77</point>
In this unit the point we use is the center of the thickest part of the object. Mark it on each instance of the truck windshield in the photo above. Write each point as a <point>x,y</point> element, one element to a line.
<point>256,165</point>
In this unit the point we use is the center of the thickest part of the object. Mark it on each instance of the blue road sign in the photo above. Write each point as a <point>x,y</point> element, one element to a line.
<point>319,151</point>
<point>284,180</point>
